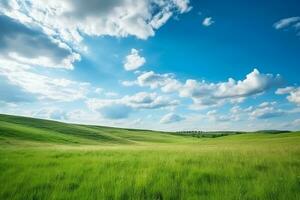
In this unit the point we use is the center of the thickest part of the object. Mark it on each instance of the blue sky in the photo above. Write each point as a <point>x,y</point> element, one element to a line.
<point>155,64</point>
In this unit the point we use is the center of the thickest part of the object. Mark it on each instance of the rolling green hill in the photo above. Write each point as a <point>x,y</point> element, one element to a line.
<point>42,159</point>
<point>31,129</point>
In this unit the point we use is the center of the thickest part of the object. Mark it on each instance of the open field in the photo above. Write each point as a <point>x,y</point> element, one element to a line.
<point>42,159</point>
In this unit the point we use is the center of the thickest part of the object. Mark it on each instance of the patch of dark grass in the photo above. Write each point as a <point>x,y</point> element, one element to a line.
<point>72,186</point>
<point>261,168</point>
<point>210,178</point>
<point>60,176</point>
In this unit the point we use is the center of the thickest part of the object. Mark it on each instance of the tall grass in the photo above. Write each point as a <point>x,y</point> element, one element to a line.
<point>246,166</point>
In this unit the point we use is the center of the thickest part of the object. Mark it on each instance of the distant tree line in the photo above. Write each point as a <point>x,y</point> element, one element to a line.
<point>212,134</point>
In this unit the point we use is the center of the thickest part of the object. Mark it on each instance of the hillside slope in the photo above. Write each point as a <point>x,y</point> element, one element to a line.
<point>39,130</point>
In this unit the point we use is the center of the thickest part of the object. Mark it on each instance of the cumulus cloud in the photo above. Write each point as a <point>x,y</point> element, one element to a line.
<point>255,82</point>
<point>287,23</point>
<point>208,21</point>
<point>49,33</point>
<point>46,33</point>
<point>213,115</point>
<point>69,19</point>
<point>152,79</point>
<point>31,47</point>
<point>134,61</point>
<point>266,112</point>
<point>171,118</point>
<point>206,94</point>
<point>121,108</point>
<point>293,94</point>
<point>41,86</point>
<point>166,82</point>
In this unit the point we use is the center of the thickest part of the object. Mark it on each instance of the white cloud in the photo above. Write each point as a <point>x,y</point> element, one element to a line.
<point>10,93</point>
<point>73,116</point>
<point>297,25</point>
<point>136,122</point>
<point>183,5</point>
<point>41,86</point>
<point>285,90</point>
<point>98,90</point>
<point>51,113</point>
<point>210,94</point>
<point>266,112</point>
<point>208,21</point>
<point>128,83</point>
<point>160,19</point>
<point>213,115</point>
<point>111,109</point>
<point>293,94</point>
<point>83,116</point>
<point>235,110</point>
<point>69,19</point>
<point>154,80</point>
<point>254,83</point>
<point>121,108</point>
<point>111,94</point>
<point>296,123</point>
<point>267,104</point>
<point>171,118</point>
<point>288,23</point>
<point>134,61</point>
<point>144,100</point>
<point>292,125</point>
<point>28,46</point>
<point>206,94</point>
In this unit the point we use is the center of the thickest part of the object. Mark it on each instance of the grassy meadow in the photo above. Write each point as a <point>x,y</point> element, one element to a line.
<point>42,159</point>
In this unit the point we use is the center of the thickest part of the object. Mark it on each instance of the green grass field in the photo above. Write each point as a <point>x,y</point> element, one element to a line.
<point>42,159</point>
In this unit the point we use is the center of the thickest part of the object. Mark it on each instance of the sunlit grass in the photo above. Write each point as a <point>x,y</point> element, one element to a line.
<point>147,165</point>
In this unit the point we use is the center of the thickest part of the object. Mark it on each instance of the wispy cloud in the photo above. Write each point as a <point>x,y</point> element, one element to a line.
<point>288,23</point>
<point>208,21</point>
<point>283,23</point>
<point>42,86</point>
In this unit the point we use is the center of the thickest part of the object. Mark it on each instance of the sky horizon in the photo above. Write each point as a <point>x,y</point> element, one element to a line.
<point>167,65</point>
